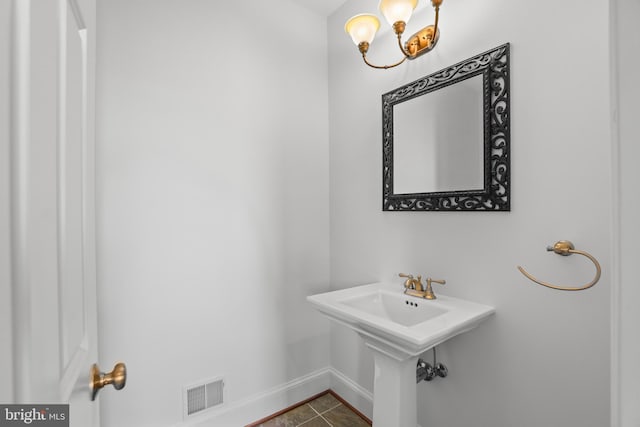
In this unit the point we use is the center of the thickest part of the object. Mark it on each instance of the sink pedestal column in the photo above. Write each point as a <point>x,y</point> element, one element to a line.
<point>394,388</point>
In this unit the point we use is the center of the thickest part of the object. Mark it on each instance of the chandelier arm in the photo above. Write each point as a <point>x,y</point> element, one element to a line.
<point>404,51</point>
<point>435,25</point>
<point>382,67</point>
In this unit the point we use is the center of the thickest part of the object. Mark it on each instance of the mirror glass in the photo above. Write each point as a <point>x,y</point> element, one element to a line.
<point>446,138</point>
<point>438,140</point>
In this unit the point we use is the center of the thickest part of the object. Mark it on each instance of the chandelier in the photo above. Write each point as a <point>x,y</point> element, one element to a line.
<point>363,27</point>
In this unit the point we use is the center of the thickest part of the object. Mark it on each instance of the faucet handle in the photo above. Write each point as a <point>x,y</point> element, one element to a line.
<point>428,293</point>
<point>409,283</point>
<point>412,283</point>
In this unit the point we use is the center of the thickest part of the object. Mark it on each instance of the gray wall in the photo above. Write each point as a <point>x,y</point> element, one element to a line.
<point>543,359</point>
<point>213,219</point>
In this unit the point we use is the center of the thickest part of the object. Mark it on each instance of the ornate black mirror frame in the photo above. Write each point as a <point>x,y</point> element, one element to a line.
<point>493,65</point>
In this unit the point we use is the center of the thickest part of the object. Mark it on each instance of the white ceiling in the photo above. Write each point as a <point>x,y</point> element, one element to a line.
<point>323,7</point>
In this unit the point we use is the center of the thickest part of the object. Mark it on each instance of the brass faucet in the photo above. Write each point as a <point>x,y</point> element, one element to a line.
<point>413,286</point>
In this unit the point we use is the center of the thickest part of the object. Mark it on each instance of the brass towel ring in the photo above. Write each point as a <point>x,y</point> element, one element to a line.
<point>566,248</point>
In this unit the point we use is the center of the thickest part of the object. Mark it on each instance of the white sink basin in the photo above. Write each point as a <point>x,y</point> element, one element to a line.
<point>384,315</point>
<point>398,328</point>
<point>395,308</point>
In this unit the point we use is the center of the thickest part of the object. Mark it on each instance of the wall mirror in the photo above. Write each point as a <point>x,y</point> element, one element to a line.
<point>446,138</point>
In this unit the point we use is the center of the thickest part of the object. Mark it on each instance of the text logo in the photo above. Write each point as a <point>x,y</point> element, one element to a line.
<point>34,415</point>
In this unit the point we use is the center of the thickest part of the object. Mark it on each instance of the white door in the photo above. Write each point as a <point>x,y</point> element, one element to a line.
<point>51,181</point>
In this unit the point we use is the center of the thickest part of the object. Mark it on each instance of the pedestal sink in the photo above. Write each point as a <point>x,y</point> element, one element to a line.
<point>398,328</point>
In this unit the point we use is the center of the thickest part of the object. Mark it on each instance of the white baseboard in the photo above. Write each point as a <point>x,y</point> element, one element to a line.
<point>256,407</point>
<point>357,396</point>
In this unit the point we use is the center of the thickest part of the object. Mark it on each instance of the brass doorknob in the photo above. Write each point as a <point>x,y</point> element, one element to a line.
<point>117,377</point>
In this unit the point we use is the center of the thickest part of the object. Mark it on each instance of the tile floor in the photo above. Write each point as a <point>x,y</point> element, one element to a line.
<point>323,411</point>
